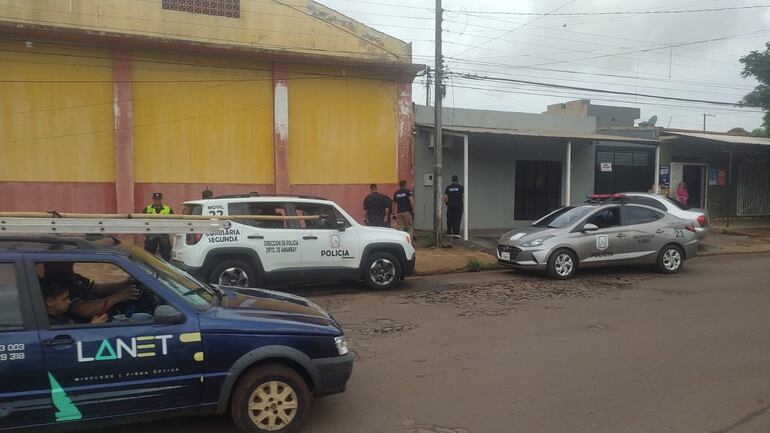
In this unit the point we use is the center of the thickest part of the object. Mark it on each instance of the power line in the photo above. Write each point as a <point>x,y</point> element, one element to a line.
<point>597,82</point>
<point>653,12</point>
<point>561,29</point>
<point>562,95</point>
<point>517,28</point>
<point>586,89</point>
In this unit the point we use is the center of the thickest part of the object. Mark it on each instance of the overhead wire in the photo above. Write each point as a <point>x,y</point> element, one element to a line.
<point>587,89</point>
<point>569,2</point>
<point>652,12</point>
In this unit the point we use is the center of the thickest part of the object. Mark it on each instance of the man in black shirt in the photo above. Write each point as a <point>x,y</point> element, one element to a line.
<point>403,208</point>
<point>453,198</point>
<point>376,206</point>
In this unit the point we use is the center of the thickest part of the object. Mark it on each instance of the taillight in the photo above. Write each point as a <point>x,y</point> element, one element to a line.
<point>690,227</point>
<point>702,220</point>
<point>193,238</point>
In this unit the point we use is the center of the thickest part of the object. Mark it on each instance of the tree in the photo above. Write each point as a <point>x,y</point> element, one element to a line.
<point>757,64</point>
<point>738,131</point>
<point>760,132</point>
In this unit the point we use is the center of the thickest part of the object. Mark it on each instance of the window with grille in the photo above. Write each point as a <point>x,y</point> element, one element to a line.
<point>220,8</point>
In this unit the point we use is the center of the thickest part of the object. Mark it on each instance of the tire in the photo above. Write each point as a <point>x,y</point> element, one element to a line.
<point>562,264</point>
<point>670,259</point>
<point>382,271</point>
<point>233,272</point>
<point>254,412</point>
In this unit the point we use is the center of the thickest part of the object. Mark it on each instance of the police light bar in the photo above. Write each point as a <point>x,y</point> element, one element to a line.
<point>601,196</point>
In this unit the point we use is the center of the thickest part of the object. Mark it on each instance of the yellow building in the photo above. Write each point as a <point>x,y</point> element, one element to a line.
<point>103,102</point>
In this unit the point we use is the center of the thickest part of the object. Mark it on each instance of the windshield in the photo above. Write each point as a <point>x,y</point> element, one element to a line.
<point>563,217</point>
<point>678,204</point>
<point>195,293</point>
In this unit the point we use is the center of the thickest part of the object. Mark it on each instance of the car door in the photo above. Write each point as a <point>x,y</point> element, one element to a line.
<point>276,242</point>
<point>608,243</point>
<point>111,369</point>
<point>329,251</point>
<point>25,394</point>
<point>645,232</point>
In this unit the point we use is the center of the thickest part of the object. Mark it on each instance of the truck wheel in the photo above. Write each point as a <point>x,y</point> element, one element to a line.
<point>271,398</point>
<point>382,271</point>
<point>562,264</point>
<point>233,272</point>
<point>670,259</point>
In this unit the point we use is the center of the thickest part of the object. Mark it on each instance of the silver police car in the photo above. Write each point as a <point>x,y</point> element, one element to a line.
<point>604,231</point>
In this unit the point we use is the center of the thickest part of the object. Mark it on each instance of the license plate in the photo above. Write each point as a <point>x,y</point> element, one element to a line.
<point>505,256</point>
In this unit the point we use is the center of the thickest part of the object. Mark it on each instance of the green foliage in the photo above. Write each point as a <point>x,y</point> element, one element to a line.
<point>760,132</point>
<point>423,240</point>
<point>476,265</point>
<point>757,64</point>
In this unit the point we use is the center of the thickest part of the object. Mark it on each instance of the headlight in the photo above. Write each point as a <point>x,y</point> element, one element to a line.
<point>342,345</point>
<point>536,242</point>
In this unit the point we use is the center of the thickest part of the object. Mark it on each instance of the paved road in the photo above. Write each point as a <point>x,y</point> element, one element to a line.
<point>624,350</point>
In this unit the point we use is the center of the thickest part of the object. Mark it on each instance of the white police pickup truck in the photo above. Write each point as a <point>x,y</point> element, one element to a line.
<point>331,247</point>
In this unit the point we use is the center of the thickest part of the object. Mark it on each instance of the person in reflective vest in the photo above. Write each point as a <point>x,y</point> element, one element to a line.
<point>152,243</point>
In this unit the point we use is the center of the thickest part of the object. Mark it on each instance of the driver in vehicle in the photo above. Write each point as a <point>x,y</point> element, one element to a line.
<point>87,298</point>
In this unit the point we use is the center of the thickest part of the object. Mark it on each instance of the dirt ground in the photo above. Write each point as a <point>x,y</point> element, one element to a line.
<point>440,261</point>
<point>616,350</point>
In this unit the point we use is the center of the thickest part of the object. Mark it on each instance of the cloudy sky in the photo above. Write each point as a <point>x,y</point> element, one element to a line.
<point>628,53</point>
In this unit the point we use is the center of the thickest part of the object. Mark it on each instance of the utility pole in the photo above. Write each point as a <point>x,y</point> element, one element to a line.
<point>427,87</point>
<point>438,141</point>
<point>705,115</point>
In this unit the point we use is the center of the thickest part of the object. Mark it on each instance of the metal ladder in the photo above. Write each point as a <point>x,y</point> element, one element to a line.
<point>56,223</point>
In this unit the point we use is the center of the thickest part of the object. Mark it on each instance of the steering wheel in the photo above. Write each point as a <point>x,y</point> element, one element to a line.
<point>146,302</point>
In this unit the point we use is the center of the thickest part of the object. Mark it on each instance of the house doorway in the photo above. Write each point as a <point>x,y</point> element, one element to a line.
<point>538,189</point>
<point>695,177</point>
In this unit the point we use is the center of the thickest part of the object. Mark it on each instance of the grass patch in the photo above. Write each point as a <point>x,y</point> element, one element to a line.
<point>476,265</point>
<point>423,240</point>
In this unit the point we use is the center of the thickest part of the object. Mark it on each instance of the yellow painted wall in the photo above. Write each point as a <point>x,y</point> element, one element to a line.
<point>342,130</point>
<point>202,121</point>
<point>52,129</point>
<point>299,26</point>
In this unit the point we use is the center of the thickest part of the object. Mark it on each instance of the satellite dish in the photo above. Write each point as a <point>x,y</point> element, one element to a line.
<point>653,120</point>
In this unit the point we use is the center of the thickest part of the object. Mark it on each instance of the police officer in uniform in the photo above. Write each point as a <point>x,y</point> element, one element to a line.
<point>453,198</point>
<point>403,208</point>
<point>376,206</point>
<point>154,242</point>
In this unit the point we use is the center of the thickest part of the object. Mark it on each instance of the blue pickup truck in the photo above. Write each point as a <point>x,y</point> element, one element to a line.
<point>160,342</point>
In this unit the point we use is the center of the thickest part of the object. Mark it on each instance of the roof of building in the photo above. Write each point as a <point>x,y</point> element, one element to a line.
<point>722,138</point>
<point>545,134</point>
<point>249,29</point>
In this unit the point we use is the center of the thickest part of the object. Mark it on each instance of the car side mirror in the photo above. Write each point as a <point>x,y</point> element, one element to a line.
<point>342,226</point>
<point>168,315</point>
<point>589,228</point>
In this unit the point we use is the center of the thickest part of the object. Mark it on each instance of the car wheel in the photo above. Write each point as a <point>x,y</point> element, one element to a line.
<point>271,398</point>
<point>670,259</point>
<point>236,273</point>
<point>382,271</point>
<point>562,264</point>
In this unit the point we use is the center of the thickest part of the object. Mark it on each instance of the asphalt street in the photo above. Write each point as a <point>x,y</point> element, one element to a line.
<point>617,350</point>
